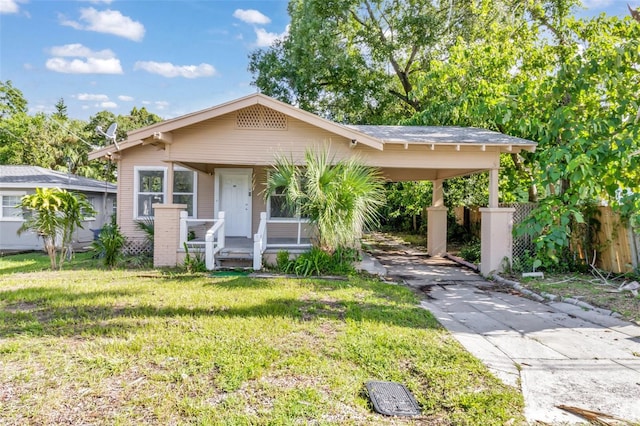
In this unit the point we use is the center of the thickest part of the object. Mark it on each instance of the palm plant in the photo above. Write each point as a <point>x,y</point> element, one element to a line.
<point>55,214</point>
<point>340,198</point>
<point>147,225</point>
<point>110,243</point>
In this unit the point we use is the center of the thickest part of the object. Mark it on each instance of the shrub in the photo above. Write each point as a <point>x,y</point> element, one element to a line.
<point>194,262</point>
<point>283,261</point>
<point>109,244</point>
<point>319,262</point>
<point>471,251</point>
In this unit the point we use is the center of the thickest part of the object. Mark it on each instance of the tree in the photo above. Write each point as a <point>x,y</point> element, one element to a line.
<point>572,86</point>
<point>405,205</point>
<point>54,214</point>
<point>339,198</point>
<point>360,60</point>
<point>61,110</point>
<point>12,101</point>
<point>590,143</point>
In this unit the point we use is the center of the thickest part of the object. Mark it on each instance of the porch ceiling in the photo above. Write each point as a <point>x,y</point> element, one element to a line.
<point>404,175</point>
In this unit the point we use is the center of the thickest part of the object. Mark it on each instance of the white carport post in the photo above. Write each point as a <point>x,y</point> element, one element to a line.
<point>437,222</point>
<point>496,231</point>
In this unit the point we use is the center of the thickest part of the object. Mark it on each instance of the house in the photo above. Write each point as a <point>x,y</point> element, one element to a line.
<point>17,181</point>
<point>201,176</point>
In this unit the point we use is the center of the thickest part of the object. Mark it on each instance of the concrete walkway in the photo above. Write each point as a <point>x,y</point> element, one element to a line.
<point>556,353</point>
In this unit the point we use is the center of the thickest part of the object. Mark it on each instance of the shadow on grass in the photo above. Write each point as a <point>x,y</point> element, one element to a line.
<point>38,261</point>
<point>44,311</point>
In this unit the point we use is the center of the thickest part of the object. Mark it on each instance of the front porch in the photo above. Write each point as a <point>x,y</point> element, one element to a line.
<point>177,234</point>
<point>208,237</point>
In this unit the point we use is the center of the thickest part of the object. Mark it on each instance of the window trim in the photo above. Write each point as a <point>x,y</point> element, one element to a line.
<point>136,187</point>
<point>195,189</point>
<point>4,218</point>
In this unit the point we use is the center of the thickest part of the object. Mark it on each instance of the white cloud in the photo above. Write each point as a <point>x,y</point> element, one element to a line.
<point>88,66</point>
<point>167,69</point>
<point>107,21</point>
<point>251,16</point>
<point>161,104</point>
<point>91,97</point>
<point>9,6</point>
<point>266,39</point>
<point>125,98</point>
<point>102,62</point>
<point>80,51</point>
<point>107,105</point>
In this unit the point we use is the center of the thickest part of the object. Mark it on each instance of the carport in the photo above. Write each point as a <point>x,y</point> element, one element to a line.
<point>438,153</point>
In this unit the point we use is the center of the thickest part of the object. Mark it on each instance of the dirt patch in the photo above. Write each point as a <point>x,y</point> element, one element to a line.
<point>586,288</point>
<point>21,307</point>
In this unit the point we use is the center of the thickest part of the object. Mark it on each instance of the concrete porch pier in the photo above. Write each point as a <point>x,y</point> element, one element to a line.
<point>496,246</point>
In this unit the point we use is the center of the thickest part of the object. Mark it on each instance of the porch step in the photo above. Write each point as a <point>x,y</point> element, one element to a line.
<point>234,258</point>
<point>235,254</point>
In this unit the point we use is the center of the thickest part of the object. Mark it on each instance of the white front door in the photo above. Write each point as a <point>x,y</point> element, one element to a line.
<point>233,187</point>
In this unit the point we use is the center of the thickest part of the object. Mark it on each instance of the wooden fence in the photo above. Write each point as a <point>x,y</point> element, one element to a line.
<point>618,246</point>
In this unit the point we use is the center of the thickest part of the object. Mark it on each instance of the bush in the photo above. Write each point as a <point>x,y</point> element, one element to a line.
<point>109,244</point>
<point>318,262</point>
<point>471,251</point>
<point>283,262</point>
<point>194,262</point>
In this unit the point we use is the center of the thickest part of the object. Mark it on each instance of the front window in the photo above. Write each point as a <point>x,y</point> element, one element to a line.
<point>150,189</point>
<point>90,215</point>
<point>278,208</point>
<point>9,209</point>
<point>184,189</point>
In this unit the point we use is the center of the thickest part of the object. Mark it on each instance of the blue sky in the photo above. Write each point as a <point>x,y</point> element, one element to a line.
<point>170,56</point>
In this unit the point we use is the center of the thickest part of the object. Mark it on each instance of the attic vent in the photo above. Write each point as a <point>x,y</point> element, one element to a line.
<point>259,117</point>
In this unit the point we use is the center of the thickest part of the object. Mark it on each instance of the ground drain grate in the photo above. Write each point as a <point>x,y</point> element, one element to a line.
<point>392,399</point>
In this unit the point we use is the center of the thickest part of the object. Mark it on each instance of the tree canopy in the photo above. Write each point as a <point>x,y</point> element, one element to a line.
<point>526,68</point>
<point>55,141</point>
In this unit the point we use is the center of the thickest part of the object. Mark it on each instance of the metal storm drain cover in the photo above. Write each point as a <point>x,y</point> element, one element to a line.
<point>392,399</point>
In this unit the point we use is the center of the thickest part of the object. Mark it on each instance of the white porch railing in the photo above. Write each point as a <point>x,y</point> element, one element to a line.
<point>212,244</point>
<point>298,243</point>
<point>213,241</point>
<point>260,242</point>
<point>214,238</point>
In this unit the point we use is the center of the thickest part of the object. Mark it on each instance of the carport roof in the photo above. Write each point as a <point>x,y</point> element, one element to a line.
<point>442,135</point>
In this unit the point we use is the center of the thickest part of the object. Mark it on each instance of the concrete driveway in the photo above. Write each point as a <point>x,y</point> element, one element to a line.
<point>556,353</point>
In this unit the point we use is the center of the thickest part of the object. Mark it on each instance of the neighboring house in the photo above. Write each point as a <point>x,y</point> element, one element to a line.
<point>216,161</point>
<point>17,181</point>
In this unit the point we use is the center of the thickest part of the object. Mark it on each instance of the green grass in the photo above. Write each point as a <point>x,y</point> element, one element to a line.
<point>90,346</point>
<point>32,262</point>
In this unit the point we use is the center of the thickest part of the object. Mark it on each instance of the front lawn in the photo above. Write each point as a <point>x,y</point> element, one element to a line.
<point>89,346</point>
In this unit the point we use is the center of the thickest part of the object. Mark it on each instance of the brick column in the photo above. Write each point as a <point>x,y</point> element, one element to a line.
<point>166,234</point>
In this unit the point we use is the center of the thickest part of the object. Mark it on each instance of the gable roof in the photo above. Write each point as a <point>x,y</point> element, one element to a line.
<point>136,137</point>
<point>372,136</point>
<point>38,177</point>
